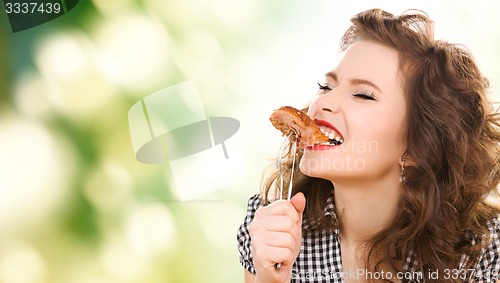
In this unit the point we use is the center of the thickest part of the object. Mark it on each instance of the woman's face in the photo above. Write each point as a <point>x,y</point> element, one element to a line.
<point>361,102</point>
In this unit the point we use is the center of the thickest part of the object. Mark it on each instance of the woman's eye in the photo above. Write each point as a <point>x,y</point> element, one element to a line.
<point>365,95</point>
<point>324,87</point>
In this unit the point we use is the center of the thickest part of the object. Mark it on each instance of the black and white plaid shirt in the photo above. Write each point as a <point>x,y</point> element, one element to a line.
<point>319,258</point>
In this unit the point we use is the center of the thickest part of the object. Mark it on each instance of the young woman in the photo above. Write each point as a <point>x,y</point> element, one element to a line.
<point>411,195</point>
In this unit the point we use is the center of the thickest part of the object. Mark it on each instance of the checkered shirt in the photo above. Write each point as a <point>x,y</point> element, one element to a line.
<point>319,259</point>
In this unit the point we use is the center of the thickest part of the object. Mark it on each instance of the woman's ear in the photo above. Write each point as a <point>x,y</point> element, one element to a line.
<point>408,161</point>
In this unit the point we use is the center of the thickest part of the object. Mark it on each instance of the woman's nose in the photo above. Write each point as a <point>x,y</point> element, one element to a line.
<point>328,102</point>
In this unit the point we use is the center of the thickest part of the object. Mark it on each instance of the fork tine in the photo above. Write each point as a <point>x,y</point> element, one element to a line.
<point>290,186</point>
<point>279,159</point>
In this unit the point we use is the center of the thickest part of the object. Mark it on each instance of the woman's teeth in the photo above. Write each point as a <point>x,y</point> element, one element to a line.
<point>335,139</point>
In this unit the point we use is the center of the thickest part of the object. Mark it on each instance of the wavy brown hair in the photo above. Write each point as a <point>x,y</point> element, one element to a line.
<point>453,142</point>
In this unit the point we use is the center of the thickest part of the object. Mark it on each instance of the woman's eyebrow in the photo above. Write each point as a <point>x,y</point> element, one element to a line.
<point>355,81</point>
<point>331,75</point>
<point>365,82</point>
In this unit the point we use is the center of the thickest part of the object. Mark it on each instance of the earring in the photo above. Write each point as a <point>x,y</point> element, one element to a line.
<point>402,177</point>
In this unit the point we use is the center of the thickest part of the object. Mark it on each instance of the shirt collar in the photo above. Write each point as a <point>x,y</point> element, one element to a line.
<point>328,211</point>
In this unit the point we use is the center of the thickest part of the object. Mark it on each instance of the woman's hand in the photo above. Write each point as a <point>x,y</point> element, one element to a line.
<point>276,233</point>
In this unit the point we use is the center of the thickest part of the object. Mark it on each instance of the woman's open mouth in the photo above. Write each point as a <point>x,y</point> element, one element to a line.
<point>333,135</point>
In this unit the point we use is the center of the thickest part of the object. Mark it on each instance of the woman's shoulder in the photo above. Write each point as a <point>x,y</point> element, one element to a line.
<point>493,236</point>
<point>488,267</point>
<point>494,225</point>
<point>491,239</point>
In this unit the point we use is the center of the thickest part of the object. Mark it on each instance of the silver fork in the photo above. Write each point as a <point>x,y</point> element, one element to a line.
<point>290,186</point>
<point>280,170</point>
<point>279,159</point>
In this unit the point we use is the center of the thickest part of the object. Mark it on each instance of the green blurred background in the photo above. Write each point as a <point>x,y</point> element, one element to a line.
<point>75,205</point>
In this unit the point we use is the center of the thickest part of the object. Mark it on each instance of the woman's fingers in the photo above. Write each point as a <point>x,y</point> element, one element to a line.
<point>280,223</point>
<point>279,240</point>
<point>281,207</point>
